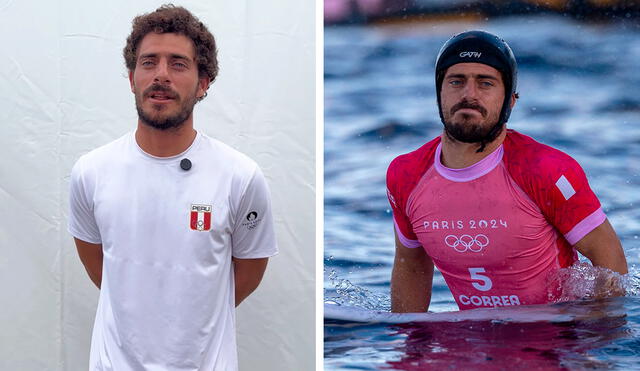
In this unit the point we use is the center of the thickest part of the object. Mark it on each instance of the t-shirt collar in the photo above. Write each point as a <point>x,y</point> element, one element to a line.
<point>472,172</point>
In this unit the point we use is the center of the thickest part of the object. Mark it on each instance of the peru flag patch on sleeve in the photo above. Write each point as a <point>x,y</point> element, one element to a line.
<point>565,187</point>
<point>201,217</point>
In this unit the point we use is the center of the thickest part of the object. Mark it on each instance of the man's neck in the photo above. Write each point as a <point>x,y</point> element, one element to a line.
<point>165,143</point>
<point>458,155</point>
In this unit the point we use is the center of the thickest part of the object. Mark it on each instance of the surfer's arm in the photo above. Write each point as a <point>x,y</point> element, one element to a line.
<point>603,248</point>
<point>91,257</point>
<point>247,276</point>
<point>411,279</point>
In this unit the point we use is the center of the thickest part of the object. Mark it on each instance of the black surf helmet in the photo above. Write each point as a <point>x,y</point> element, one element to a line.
<point>480,47</point>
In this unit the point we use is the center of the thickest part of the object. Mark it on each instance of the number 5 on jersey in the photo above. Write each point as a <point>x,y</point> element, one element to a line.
<point>476,276</point>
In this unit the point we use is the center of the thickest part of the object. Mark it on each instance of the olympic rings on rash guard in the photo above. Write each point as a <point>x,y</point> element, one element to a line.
<point>468,242</point>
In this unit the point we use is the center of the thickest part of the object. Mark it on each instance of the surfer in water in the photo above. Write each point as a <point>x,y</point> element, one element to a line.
<point>494,210</point>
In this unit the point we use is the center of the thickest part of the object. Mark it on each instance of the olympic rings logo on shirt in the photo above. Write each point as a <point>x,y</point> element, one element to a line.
<point>467,242</point>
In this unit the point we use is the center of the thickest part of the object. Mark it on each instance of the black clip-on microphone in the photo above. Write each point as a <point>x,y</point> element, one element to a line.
<point>185,164</point>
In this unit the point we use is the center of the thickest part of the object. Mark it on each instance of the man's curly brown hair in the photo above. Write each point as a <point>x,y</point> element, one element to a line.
<point>174,19</point>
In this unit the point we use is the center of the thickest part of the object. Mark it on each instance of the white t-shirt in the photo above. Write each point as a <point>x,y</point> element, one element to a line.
<point>168,235</point>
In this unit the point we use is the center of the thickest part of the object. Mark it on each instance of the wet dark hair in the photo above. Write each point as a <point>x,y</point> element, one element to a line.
<point>174,19</point>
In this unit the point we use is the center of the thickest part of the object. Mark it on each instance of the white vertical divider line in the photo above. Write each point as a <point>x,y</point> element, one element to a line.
<point>319,106</point>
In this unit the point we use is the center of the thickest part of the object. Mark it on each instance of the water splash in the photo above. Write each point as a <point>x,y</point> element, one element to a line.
<point>580,281</point>
<point>584,281</point>
<point>354,295</point>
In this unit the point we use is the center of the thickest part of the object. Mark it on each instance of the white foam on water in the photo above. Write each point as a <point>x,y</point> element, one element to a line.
<point>584,281</point>
<point>355,296</point>
<point>581,286</point>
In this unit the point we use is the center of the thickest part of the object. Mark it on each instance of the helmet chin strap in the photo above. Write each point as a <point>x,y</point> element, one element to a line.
<point>491,135</point>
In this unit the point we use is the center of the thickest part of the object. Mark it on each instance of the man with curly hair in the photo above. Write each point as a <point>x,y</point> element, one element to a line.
<point>173,226</point>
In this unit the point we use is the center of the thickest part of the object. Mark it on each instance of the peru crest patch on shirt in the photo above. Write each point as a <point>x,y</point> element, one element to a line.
<point>200,217</point>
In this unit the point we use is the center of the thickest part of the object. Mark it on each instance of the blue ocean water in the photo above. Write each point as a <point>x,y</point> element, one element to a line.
<point>579,87</point>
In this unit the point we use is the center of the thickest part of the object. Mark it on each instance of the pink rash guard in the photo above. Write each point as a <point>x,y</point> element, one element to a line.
<point>496,229</point>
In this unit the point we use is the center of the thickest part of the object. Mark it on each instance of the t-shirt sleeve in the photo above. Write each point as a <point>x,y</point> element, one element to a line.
<point>397,200</point>
<point>556,183</point>
<point>82,222</point>
<point>572,207</point>
<point>253,236</point>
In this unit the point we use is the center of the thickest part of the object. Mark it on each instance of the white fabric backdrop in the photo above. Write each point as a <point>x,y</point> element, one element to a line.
<point>64,91</point>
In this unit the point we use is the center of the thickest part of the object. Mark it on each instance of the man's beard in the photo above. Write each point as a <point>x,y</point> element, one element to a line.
<point>467,132</point>
<point>161,122</point>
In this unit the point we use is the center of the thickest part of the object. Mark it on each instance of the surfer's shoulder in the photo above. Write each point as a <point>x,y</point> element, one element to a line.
<point>408,166</point>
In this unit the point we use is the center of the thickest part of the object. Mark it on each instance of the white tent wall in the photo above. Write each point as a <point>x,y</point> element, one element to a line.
<point>64,91</point>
